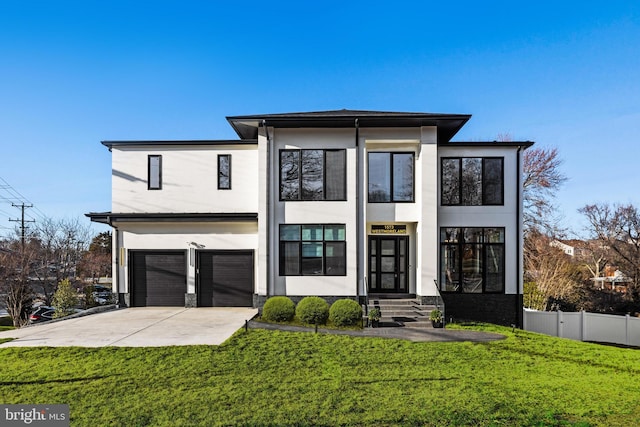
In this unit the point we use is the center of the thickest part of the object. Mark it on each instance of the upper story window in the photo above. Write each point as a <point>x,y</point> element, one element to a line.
<point>391,177</point>
<point>313,175</point>
<point>313,250</point>
<point>154,172</point>
<point>472,260</point>
<point>472,181</point>
<point>224,171</point>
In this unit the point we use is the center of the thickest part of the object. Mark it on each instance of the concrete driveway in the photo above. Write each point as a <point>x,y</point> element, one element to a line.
<point>136,327</point>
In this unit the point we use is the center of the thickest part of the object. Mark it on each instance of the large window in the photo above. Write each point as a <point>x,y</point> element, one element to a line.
<point>472,181</point>
<point>313,175</point>
<point>154,172</point>
<point>224,171</point>
<point>391,177</point>
<point>312,250</point>
<point>472,260</point>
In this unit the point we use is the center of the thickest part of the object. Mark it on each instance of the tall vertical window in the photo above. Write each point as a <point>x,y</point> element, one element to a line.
<point>391,177</point>
<point>313,250</point>
<point>154,172</point>
<point>313,174</point>
<point>472,181</point>
<point>224,171</point>
<point>472,260</point>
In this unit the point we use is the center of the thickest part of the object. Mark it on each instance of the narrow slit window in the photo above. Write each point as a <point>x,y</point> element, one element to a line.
<point>155,172</point>
<point>224,172</point>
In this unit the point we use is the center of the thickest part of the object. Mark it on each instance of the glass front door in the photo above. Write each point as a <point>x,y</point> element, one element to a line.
<point>388,264</point>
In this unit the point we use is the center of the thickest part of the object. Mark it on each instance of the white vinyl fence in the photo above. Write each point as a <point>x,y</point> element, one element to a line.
<point>583,326</point>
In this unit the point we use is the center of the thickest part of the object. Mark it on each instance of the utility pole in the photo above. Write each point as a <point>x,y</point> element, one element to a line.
<point>22,221</point>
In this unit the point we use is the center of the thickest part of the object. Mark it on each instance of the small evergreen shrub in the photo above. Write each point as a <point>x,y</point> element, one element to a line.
<point>89,297</point>
<point>345,312</point>
<point>278,309</point>
<point>313,310</point>
<point>65,299</point>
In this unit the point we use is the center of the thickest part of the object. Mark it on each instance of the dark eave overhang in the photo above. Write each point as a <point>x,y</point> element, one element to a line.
<point>448,124</point>
<point>182,143</point>
<point>522,144</point>
<point>109,218</point>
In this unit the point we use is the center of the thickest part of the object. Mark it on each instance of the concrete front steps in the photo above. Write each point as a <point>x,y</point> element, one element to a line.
<point>407,312</point>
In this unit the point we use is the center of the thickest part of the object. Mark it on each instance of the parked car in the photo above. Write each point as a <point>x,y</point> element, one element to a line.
<point>102,294</point>
<point>42,314</point>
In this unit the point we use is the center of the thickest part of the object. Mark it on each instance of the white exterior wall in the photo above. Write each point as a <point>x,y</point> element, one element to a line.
<point>189,180</point>
<point>491,216</point>
<point>182,236</point>
<point>315,212</point>
<point>417,215</point>
<point>427,233</point>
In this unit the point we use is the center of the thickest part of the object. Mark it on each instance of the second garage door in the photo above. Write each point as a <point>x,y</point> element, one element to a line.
<point>225,278</point>
<point>158,278</point>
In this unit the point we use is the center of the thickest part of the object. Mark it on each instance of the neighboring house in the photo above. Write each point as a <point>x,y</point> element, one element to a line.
<point>574,248</point>
<point>336,204</point>
<point>613,280</point>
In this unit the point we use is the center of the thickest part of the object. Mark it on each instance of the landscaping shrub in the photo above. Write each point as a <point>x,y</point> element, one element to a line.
<point>278,309</point>
<point>313,310</point>
<point>345,312</point>
<point>89,297</point>
<point>65,299</point>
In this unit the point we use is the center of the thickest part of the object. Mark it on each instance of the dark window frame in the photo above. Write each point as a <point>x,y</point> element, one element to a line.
<point>159,172</point>
<point>459,246</point>
<point>220,176</point>
<point>283,243</point>
<point>391,177</point>
<point>300,178</point>
<point>484,184</point>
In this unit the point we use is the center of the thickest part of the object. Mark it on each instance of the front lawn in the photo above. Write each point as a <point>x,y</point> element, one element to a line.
<point>273,378</point>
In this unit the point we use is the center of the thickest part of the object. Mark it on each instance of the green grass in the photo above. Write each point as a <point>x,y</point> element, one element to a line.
<point>273,378</point>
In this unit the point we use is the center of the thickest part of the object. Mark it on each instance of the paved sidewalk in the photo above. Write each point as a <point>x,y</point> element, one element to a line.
<point>136,327</point>
<point>404,333</point>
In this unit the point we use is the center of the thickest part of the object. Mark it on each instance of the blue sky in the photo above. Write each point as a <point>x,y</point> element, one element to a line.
<point>73,73</point>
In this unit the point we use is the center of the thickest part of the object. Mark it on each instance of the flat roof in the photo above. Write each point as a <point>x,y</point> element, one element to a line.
<point>146,143</point>
<point>110,217</point>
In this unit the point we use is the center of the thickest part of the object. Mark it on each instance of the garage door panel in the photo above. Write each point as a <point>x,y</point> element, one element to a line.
<point>159,278</point>
<point>226,279</point>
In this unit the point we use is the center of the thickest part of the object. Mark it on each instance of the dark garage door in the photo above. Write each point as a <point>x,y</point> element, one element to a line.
<point>158,278</point>
<point>225,278</point>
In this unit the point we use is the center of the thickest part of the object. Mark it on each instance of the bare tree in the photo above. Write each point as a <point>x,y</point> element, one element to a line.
<point>15,260</point>
<point>618,228</point>
<point>594,257</point>
<point>59,244</point>
<point>542,178</point>
<point>549,272</point>
<point>96,262</point>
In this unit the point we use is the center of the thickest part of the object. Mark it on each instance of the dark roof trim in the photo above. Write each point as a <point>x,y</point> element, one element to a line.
<point>448,124</point>
<point>179,142</point>
<point>523,144</point>
<point>110,218</point>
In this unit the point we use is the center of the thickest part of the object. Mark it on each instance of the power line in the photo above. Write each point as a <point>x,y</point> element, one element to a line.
<point>22,221</point>
<point>16,197</point>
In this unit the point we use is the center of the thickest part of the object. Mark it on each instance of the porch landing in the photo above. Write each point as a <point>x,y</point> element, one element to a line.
<point>402,312</point>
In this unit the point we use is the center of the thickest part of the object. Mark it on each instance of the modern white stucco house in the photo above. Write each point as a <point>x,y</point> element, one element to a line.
<point>336,204</point>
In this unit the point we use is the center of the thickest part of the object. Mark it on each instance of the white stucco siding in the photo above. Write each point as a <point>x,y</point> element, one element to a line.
<point>189,180</point>
<point>427,233</point>
<point>491,216</point>
<point>316,212</point>
<point>185,236</point>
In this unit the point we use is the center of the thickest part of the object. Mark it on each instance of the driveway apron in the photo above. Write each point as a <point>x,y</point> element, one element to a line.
<point>136,327</point>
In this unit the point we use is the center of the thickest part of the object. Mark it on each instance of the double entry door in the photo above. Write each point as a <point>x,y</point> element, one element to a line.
<point>388,264</point>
